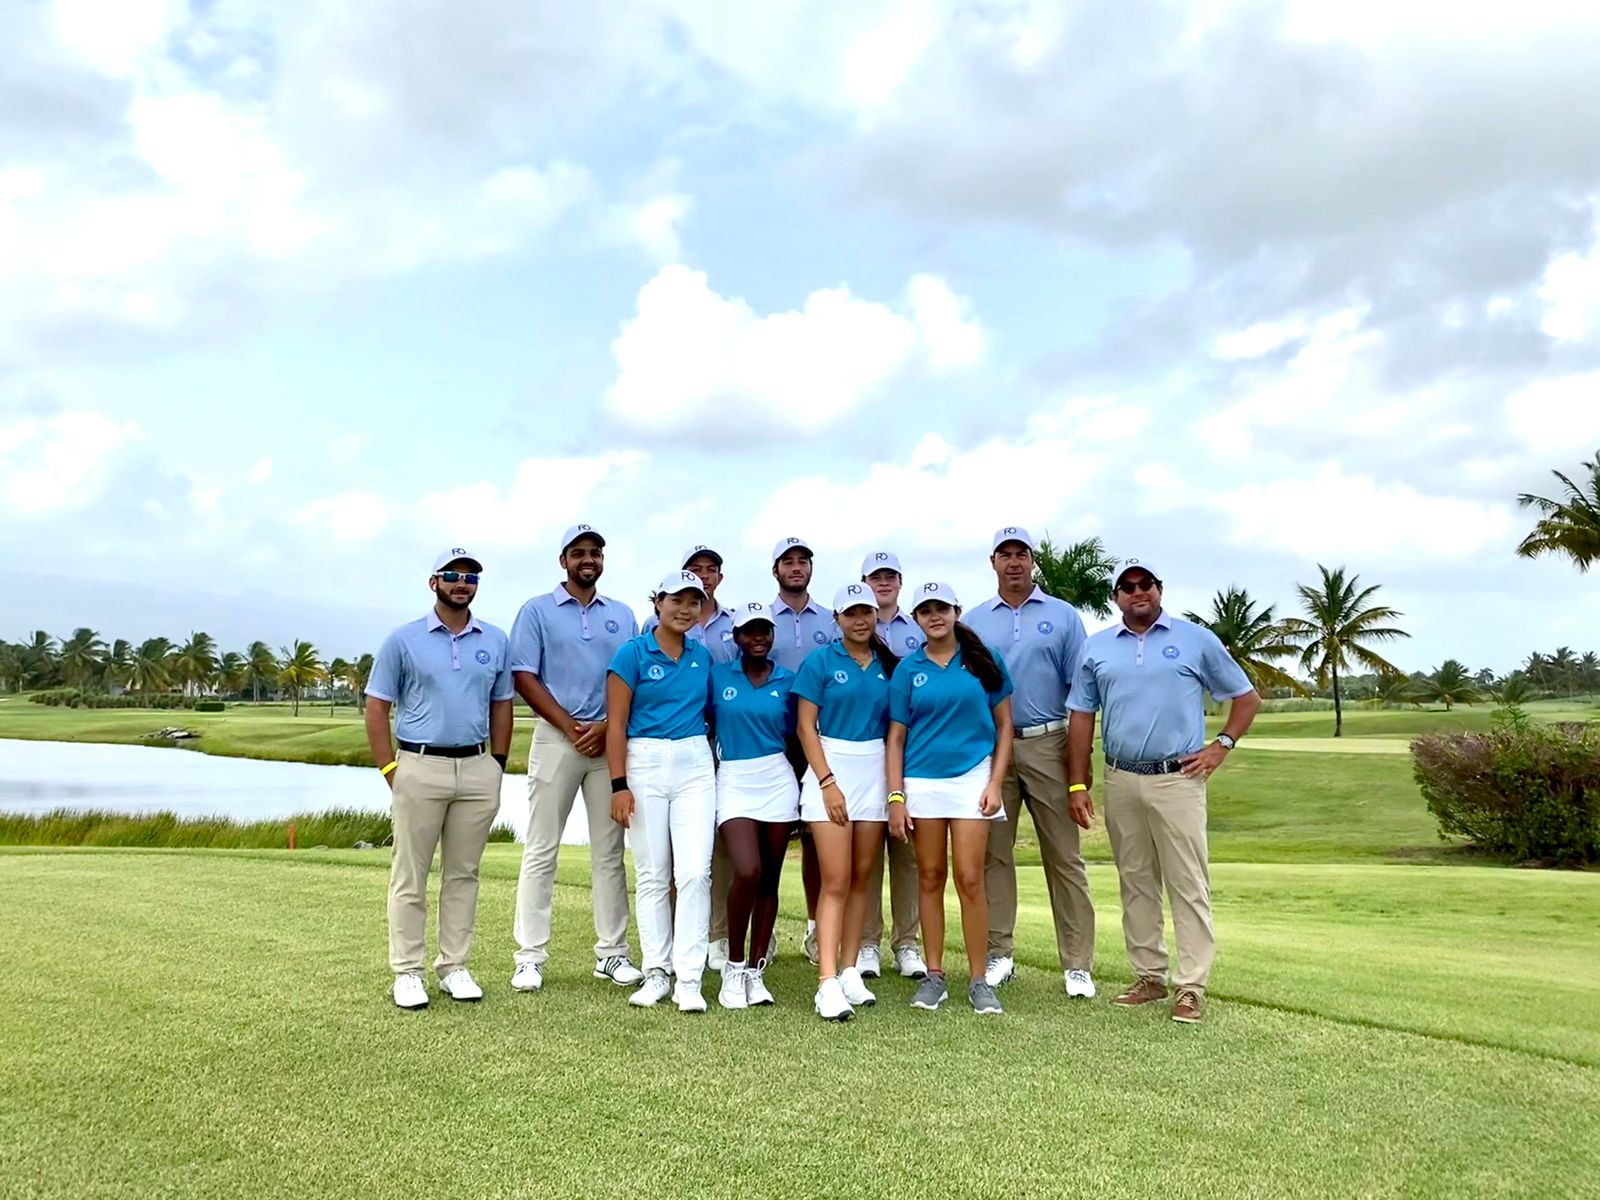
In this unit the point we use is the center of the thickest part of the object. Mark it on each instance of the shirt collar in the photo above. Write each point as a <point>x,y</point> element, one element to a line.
<point>779,605</point>
<point>999,601</point>
<point>1162,621</point>
<point>473,624</point>
<point>562,596</point>
<point>900,615</point>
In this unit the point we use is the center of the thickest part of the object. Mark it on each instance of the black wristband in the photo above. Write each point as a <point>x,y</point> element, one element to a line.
<point>619,783</point>
<point>501,759</point>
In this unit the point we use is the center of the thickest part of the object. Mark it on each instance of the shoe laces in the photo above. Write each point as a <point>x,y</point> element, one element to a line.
<point>1188,996</point>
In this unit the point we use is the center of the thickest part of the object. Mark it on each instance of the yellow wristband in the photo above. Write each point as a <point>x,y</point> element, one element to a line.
<point>1078,787</point>
<point>390,768</point>
<point>897,797</point>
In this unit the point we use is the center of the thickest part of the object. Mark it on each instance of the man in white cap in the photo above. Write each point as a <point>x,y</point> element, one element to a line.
<point>1147,677</point>
<point>1039,636</point>
<point>800,626</point>
<point>561,644</point>
<point>447,679</point>
<point>880,570</point>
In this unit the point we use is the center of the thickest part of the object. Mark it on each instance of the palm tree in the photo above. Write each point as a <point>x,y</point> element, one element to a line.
<point>1079,573</point>
<point>231,672</point>
<point>10,667</point>
<point>1563,665</point>
<point>1589,672</point>
<point>1484,679</point>
<point>1450,685</point>
<point>1516,690</point>
<point>150,667</point>
<point>196,662</point>
<point>38,659</point>
<point>1395,689</point>
<point>1338,621</point>
<point>1253,637</point>
<point>118,660</point>
<point>360,675</point>
<point>335,673</point>
<point>262,668</point>
<point>1538,671</point>
<point>81,656</point>
<point>1569,526</point>
<point>301,669</point>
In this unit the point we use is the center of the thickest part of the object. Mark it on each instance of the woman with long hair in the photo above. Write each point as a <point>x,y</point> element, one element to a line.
<point>663,786</point>
<point>843,717</point>
<point>758,800</point>
<point>949,747</point>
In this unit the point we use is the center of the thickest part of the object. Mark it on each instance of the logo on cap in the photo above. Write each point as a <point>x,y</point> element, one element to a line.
<point>655,671</point>
<point>1009,529</point>
<point>791,541</point>
<point>929,587</point>
<point>881,556</point>
<point>753,606</point>
<point>918,679</point>
<point>729,693</point>
<point>482,656</point>
<point>1170,652</point>
<point>855,589</point>
<point>584,528</point>
<point>457,550</point>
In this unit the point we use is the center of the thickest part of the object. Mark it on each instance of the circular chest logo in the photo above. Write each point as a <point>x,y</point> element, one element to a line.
<point>482,656</point>
<point>840,677</point>
<point>612,627</point>
<point>819,637</point>
<point>727,635</point>
<point>1170,652</point>
<point>911,643</point>
<point>918,679</point>
<point>1046,627</point>
<point>655,671</point>
<point>730,693</point>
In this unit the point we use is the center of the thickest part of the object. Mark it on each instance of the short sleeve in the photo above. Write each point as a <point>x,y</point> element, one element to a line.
<point>526,650</point>
<point>1006,686</point>
<point>625,664</point>
<point>1085,693</point>
<point>504,688</point>
<point>387,680</point>
<point>810,680</point>
<point>900,697</point>
<point>1223,677</point>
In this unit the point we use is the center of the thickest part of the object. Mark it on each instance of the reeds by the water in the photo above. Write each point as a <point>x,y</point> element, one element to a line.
<point>337,828</point>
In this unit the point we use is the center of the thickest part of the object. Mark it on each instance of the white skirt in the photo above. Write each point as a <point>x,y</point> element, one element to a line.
<point>762,789</point>
<point>951,799</point>
<point>859,770</point>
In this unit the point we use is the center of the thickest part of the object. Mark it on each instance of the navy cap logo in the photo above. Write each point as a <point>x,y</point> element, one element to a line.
<point>881,556</point>
<point>457,550</point>
<point>612,627</point>
<point>929,587</point>
<point>1009,529</point>
<point>584,528</point>
<point>482,656</point>
<point>791,541</point>
<point>753,606</point>
<point>1170,652</point>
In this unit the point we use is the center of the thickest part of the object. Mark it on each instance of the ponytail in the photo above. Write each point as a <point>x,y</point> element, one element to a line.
<point>886,658</point>
<point>978,659</point>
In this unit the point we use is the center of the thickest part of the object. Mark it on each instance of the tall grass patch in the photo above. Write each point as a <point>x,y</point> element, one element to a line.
<point>338,827</point>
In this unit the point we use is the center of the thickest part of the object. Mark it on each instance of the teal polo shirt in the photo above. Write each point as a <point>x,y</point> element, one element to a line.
<point>949,717</point>
<point>669,698</point>
<point>852,701</point>
<point>751,721</point>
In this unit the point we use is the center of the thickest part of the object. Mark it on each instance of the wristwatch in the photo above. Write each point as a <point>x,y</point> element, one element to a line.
<point>1226,742</point>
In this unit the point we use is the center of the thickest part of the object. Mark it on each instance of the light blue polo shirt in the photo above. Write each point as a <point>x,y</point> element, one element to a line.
<point>852,702</point>
<point>1041,642</point>
<point>716,634</point>
<point>1149,687</point>
<point>751,721</point>
<point>795,635</point>
<point>569,645</point>
<point>901,634</point>
<point>949,718</point>
<point>440,683</point>
<point>669,698</point>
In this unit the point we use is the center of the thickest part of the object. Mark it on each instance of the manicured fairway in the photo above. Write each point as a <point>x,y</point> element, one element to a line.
<point>217,1024</point>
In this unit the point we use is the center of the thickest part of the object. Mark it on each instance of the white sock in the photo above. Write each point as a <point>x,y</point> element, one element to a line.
<point>811,926</point>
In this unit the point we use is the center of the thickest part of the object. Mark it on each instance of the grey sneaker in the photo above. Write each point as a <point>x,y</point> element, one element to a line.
<point>984,1001</point>
<point>931,992</point>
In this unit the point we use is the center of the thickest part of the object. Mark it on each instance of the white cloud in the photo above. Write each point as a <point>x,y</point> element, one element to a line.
<point>1570,291</point>
<point>59,463</point>
<point>694,360</point>
<point>545,496</point>
<point>1555,416</point>
<point>349,516</point>
<point>261,470</point>
<point>653,225</point>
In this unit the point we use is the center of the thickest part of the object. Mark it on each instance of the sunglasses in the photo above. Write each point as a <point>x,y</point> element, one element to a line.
<point>460,577</point>
<point>1138,585</point>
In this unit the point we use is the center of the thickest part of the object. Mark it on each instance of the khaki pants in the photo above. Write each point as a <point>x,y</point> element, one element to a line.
<point>902,858</point>
<point>1157,825</point>
<point>557,772</point>
<point>448,803</point>
<point>1038,777</point>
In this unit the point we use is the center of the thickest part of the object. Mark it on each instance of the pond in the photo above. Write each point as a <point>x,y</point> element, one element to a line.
<point>40,776</point>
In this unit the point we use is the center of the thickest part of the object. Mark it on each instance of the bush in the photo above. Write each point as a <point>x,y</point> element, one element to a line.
<point>77,698</point>
<point>209,706</point>
<point>1524,790</point>
<point>339,827</point>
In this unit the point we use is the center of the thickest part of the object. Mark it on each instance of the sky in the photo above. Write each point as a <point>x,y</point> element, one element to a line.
<point>295,294</point>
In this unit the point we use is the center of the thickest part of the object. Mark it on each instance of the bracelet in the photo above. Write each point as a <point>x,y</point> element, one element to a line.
<point>389,770</point>
<point>825,780</point>
<point>619,783</point>
<point>1078,787</point>
<point>897,798</point>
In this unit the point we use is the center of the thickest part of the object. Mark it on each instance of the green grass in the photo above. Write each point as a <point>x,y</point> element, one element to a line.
<point>217,1024</point>
<point>341,827</point>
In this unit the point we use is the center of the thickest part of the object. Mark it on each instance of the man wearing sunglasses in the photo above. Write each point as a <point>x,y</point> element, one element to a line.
<point>1147,677</point>
<point>1039,636</point>
<point>449,676</point>
<point>561,644</point>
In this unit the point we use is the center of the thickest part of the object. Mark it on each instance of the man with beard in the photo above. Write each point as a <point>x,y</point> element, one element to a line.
<point>449,675</point>
<point>800,627</point>
<point>561,644</point>
<point>1147,678</point>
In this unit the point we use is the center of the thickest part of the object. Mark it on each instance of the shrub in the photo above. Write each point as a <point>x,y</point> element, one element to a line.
<point>1524,790</point>
<point>209,706</point>
<point>339,827</point>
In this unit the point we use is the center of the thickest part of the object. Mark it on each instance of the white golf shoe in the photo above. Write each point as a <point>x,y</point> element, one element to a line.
<point>528,977</point>
<point>460,985</point>
<point>409,991</point>
<point>1080,985</point>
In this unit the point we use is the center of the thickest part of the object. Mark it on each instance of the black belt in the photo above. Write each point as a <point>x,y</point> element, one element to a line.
<point>1165,766</point>
<point>443,751</point>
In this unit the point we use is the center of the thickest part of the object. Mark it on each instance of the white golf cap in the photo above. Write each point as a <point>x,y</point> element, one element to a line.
<point>1012,533</point>
<point>753,611</point>
<point>852,594</point>
<point>446,557</point>
<point>1135,564</point>
<point>937,590</point>
<point>679,581</point>
<point>790,543</point>
<point>694,552</point>
<point>574,532</point>
<point>880,560</point>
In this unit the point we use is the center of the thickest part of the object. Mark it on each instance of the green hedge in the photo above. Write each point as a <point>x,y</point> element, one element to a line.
<point>79,698</point>
<point>209,706</point>
<point>1528,791</point>
<point>336,828</point>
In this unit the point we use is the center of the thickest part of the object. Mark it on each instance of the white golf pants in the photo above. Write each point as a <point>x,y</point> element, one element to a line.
<point>674,825</point>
